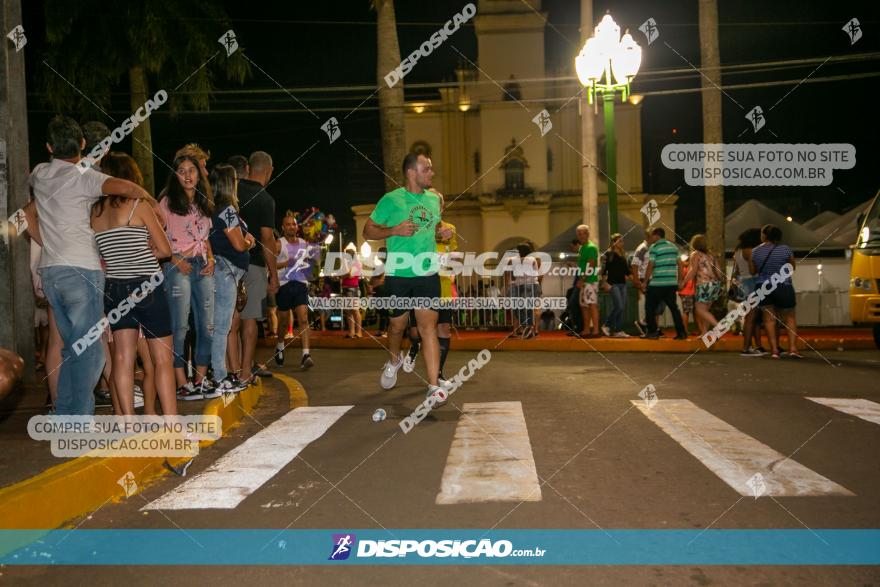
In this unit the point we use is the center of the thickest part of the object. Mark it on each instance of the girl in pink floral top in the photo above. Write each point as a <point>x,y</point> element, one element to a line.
<point>189,276</point>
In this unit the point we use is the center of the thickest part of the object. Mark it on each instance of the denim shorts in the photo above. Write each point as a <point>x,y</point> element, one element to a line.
<point>150,314</point>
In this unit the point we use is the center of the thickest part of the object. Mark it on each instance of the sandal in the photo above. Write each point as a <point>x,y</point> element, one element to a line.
<point>794,355</point>
<point>774,355</point>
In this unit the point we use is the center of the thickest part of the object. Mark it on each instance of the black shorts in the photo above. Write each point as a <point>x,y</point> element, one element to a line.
<point>782,298</point>
<point>292,294</point>
<point>425,286</point>
<point>151,314</point>
<point>444,317</point>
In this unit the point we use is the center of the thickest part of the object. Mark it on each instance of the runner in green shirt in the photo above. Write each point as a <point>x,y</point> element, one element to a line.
<point>407,219</point>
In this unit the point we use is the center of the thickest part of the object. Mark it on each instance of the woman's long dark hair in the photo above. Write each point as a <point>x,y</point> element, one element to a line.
<point>224,186</point>
<point>749,239</point>
<point>178,201</point>
<point>122,166</point>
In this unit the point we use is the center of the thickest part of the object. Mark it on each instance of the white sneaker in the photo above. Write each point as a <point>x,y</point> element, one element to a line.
<point>439,394</point>
<point>409,363</point>
<point>606,331</point>
<point>389,373</point>
<point>138,397</point>
<point>208,388</point>
<point>226,385</point>
<point>620,334</point>
<point>447,385</point>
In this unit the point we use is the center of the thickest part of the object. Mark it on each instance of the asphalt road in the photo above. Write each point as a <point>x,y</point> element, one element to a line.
<point>602,459</point>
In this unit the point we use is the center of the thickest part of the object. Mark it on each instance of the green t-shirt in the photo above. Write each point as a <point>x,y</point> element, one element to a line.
<point>423,209</point>
<point>589,252</point>
<point>664,255</point>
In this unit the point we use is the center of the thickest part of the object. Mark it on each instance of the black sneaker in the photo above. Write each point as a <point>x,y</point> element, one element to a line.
<point>279,354</point>
<point>102,399</point>
<point>189,392</point>
<point>231,384</point>
<point>257,371</point>
<point>651,335</point>
<point>208,389</point>
<point>307,362</point>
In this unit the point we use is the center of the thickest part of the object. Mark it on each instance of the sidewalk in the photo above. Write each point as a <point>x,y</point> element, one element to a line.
<point>40,491</point>
<point>820,339</point>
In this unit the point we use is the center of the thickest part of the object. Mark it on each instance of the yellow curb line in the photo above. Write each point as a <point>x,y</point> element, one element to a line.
<point>298,395</point>
<point>85,484</point>
<point>571,344</point>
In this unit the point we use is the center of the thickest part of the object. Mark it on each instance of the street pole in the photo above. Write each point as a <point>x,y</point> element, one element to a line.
<point>589,180</point>
<point>16,290</point>
<point>610,159</point>
<point>710,61</point>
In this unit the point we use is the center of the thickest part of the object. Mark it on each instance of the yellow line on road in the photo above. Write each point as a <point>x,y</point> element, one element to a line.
<point>298,396</point>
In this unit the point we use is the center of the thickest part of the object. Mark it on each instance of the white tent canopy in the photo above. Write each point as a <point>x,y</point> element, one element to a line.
<point>820,219</point>
<point>843,229</point>
<point>754,214</point>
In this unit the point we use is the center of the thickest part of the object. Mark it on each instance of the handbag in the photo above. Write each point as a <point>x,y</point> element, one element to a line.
<point>241,296</point>
<point>735,291</point>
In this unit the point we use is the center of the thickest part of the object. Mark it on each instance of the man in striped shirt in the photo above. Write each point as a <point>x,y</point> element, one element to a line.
<point>664,266</point>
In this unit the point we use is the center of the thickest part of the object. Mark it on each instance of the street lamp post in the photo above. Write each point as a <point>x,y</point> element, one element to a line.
<point>607,65</point>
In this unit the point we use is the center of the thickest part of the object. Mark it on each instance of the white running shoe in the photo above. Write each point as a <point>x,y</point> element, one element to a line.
<point>208,389</point>
<point>227,385</point>
<point>620,334</point>
<point>409,363</point>
<point>438,393</point>
<point>606,331</point>
<point>389,373</point>
<point>447,385</point>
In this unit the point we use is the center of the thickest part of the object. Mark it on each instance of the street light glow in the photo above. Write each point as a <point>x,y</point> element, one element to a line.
<point>626,59</point>
<point>607,53</point>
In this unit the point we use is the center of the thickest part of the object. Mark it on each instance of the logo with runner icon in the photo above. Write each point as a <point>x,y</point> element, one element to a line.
<point>422,217</point>
<point>342,546</point>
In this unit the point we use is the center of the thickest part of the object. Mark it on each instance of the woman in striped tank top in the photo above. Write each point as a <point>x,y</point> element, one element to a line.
<point>129,238</point>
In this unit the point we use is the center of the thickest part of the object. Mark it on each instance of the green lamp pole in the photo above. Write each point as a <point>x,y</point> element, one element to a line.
<point>607,65</point>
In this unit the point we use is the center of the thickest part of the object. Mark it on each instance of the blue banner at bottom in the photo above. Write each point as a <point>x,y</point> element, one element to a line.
<point>439,547</point>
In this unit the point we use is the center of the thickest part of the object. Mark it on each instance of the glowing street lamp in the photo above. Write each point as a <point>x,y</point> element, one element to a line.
<point>607,65</point>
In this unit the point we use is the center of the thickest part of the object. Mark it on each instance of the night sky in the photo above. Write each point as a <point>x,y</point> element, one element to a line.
<point>317,45</point>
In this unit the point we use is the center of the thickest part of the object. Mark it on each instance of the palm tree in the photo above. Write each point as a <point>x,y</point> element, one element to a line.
<point>710,60</point>
<point>391,118</point>
<point>92,45</point>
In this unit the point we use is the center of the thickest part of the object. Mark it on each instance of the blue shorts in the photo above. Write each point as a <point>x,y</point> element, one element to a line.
<point>781,298</point>
<point>151,314</point>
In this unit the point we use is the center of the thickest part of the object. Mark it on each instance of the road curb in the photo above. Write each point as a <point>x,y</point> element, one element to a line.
<point>728,343</point>
<point>85,484</point>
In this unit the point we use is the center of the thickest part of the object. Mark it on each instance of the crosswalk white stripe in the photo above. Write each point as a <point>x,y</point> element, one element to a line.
<point>733,455</point>
<point>245,468</point>
<point>861,408</point>
<point>491,457</point>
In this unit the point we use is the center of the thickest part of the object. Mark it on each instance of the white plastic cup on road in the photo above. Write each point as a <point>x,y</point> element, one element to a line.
<point>379,415</point>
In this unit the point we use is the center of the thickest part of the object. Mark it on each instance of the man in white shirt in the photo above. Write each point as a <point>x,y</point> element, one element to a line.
<point>70,268</point>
